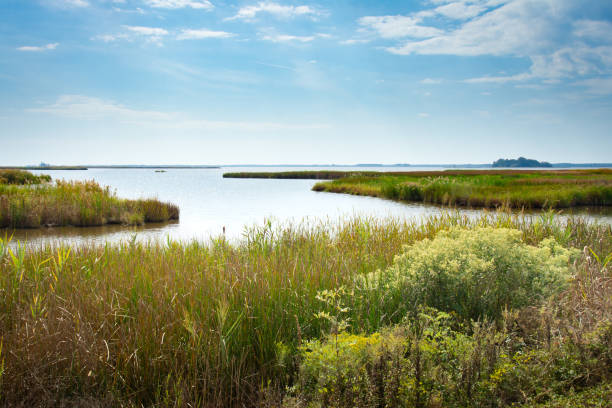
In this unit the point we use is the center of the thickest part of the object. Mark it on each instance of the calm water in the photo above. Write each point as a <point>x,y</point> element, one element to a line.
<point>208,202</point>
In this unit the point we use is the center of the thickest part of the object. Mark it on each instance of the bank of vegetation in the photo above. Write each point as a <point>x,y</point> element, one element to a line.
<point>21,177</point>
<point>441,312</point>
<point>515,189</point>
<point>31,201</point>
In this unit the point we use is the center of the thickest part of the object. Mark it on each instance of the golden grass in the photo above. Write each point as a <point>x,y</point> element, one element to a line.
<point>196,324</point>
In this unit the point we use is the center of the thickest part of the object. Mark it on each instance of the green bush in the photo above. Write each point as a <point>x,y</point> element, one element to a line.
<point>475,273</point>
<point>21,177</point>
<point>423,362</point>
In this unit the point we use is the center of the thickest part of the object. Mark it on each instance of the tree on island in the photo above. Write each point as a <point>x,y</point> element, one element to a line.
<point>520,162</point>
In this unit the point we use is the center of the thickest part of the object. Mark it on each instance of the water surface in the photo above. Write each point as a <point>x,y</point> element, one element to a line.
<point>208,203</point>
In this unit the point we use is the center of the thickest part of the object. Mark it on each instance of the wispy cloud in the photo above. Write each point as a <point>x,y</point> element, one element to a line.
<point>275,9</point>
<point>541,31</point>
<point>148,31</point>
<point>354,41</point>
<point>149,34</point>
<point>110,37</point>
<point>177,4</point>
<point>71,3</point>
<point>31,48</point>
<point>398,26</point>
<point>90,108</point>
<point>288,38</point>
<point>191,34</point>
<point>431,81</point>
<point>597,86</point>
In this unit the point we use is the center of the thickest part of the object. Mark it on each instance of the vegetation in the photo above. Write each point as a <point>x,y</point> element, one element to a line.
<point>299,315</point>
<point>73,203</point>
<point>520,162</point>
<point>21,177</point>
<point>336,174</point>
<point>511,188</point>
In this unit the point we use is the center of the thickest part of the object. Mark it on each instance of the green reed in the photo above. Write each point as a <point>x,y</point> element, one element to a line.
<point>176,323</point>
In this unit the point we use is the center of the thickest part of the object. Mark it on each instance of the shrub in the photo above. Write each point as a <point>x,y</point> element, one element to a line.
<point>423,362</point>
<point>11,176</point>
<point>475,273</point>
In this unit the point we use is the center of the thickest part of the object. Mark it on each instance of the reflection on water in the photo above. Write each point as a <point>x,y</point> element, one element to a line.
<point>78,235</point>
<point>208,203</point>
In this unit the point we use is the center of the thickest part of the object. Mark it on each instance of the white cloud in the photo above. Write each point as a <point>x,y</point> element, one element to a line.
<point>72,3</point>
<point>151,34</point>
<point>398,27</point>
<point>520,27</point>
<point>277,10</point>
<point>597,86</point>
<point>201,34</point>
<point>176,4</point>
<point>540,31</point>
<point>459,10</point>
<point>594,30</point>
<point>430,81</point>
<point>82,107</point>
<point>85,107</point>
<point>354,41</point>
<point>423,115</point>
<point>110,37</point>
<point>288,38</point>
<point>566,62</point>
<point>31,48</point>
<point>149,31</point>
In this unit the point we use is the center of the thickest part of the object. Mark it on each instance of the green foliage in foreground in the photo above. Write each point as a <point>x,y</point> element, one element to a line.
<point>21,177</point>
<point>431,358</point>
<point>77,204</point>
<point>475,274</point>
<point>218,324</point>
<point>554,189</point>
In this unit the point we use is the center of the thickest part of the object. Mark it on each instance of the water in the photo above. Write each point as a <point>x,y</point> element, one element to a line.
<point>208,202</point>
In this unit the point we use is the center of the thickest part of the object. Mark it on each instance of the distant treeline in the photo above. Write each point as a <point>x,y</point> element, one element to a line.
<point>520,162</point>
<point>334,175</point>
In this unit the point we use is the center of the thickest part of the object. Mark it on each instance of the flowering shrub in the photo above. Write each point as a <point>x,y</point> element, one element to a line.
<point>475,273</point>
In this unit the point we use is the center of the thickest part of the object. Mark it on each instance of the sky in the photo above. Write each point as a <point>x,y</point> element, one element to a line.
<point>304,82</point>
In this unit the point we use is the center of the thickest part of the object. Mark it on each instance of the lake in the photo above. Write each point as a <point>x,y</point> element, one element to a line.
<point>208,203</point>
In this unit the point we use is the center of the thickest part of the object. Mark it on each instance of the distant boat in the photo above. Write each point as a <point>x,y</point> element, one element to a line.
<point>160,171</point>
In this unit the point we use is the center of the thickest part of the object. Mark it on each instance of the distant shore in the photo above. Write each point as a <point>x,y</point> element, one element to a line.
<point>512,188</point>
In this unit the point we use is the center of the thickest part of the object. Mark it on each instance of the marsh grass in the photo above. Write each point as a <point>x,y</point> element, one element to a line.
<point>21,177</point>
<point>201,324</point>
<point>76,204</point>
<point>514,189</point>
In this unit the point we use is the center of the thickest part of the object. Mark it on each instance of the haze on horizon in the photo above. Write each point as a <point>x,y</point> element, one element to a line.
<point>305,82</point>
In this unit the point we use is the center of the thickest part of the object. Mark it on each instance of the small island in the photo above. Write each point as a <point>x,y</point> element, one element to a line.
<point>33,201</point>
<point>520,162</point>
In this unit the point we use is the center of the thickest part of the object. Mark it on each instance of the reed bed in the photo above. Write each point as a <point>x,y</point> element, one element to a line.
<point>203,324</point>
<point>21,177</point>
<point>514,189</point>
<point>76,204</point>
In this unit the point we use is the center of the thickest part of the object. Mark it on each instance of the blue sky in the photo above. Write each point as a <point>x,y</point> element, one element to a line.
<point>219,82</point>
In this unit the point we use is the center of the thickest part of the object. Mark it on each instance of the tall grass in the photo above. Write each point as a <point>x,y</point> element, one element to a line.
<point>77,204</point>
<point>20,177</point>
<point>173,324</point>
<point>552,189</point>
